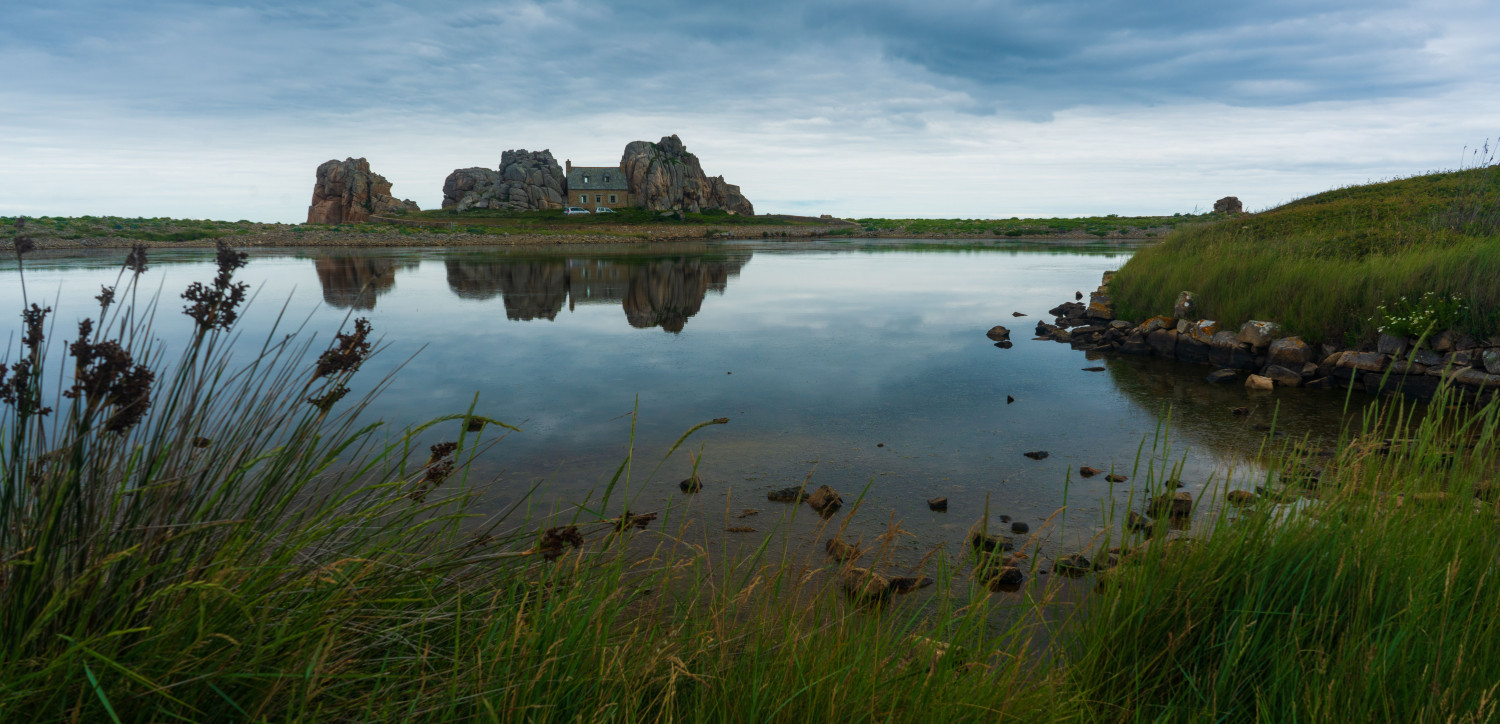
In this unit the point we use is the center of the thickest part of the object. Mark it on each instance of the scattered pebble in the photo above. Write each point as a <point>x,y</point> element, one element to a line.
<point>741,529</point>
<point>1089,472</point>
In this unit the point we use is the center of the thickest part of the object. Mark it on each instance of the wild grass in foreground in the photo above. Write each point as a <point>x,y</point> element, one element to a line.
<point>224,540</point>
<point>1323,265</point>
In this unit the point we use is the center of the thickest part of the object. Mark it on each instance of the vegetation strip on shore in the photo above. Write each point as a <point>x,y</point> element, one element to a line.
<point>487,227</point>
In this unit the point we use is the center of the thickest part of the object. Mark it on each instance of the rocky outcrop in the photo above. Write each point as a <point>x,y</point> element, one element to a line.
<point>663,176</point>
<point>348,192</point>
<point>1229,205</point>
<point>526,181</point>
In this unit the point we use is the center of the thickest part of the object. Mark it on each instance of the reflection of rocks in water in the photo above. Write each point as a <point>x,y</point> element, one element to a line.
<point>530,289</point>
<point>666,293</point>
<point>663,292</point>
<point>355,281</point>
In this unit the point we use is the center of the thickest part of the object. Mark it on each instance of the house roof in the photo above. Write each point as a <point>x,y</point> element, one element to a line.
<point>600,178</point>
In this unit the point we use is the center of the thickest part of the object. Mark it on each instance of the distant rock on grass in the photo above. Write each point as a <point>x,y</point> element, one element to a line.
<point>348,192</point>
<point>1229,205</point>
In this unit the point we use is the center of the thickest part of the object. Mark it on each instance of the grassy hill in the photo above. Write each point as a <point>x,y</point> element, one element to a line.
<point>1324,265</point>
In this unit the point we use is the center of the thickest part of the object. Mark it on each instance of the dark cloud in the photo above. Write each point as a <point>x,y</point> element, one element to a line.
<point>569,56</point>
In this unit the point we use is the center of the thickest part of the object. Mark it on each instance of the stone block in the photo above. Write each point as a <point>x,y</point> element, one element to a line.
<point>1163,342</point>
<point>1289,352</point>
<point>1259,334</point>
<point>1282,376</point>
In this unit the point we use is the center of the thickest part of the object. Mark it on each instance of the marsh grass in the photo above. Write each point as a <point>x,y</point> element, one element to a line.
<point>250,549</point>
<point>1322,265</point>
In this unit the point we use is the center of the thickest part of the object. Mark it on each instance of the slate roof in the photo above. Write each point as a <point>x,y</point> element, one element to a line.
<point>597,178</point>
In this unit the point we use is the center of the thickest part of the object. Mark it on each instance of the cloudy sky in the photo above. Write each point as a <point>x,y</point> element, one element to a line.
<point>973,108</point>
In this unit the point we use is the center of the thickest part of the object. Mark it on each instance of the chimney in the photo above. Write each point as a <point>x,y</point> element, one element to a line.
<point>569,168</point>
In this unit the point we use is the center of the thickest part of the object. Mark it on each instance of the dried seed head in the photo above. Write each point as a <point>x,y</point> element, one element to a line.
<point>106,376</point>
<point>106,296</point>
<point>216,307</point>
<point>326,401</point>
<point>348,352</point>
<point>34,319</point>
<point>20,393</point>
<point>136,260</point>
<point>22,242</point>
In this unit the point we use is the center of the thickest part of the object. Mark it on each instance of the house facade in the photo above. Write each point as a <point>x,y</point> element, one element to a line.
<point>594,186</point>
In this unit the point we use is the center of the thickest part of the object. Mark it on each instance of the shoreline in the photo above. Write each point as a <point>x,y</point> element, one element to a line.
<point>317,237</point>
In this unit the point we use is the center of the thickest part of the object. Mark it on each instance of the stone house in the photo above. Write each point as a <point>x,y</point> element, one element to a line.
<point>594,186</point>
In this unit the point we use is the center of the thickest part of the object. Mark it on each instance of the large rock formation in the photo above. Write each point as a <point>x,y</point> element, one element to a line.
<point>348,192</point>
<point>526,181</point>
<point>664,176</point>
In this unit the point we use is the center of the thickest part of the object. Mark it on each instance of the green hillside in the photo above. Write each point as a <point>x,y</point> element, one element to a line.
<point>1324,265</point>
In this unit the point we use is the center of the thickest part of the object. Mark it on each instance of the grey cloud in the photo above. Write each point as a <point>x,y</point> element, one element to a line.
<point>579,56</point>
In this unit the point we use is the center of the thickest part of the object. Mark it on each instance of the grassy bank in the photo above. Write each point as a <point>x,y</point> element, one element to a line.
<point>1323,265</point>
<point>226,539</point>
<point>1097,226</point>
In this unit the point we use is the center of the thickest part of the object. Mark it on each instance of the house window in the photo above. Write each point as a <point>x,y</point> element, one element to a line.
<point>612,199</point>
<point>598,198</point>
<point>583,198</point>
<point>585,178</point>
<point>606,178</point>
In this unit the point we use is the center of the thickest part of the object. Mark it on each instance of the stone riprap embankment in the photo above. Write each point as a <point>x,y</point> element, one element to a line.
<point>1271,358</point>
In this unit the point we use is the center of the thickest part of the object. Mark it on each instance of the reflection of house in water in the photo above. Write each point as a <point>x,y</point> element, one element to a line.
<point>356,281</point>
<point>655,293</point>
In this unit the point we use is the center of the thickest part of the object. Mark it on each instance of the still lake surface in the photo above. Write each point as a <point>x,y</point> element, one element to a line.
<point>860,363</point>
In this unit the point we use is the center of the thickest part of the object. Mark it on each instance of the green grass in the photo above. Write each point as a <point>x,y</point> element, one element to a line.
<point>1322,265</point>
<point>1014,227</point>
<point>243,553</point>
<point>153,229</point>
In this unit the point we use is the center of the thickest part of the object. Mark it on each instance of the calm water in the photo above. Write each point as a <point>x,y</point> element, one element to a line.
<point>860,363</point>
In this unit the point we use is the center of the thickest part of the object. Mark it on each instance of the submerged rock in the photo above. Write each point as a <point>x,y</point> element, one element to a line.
<point>1036,454</point>
<point>1175,505</point>
<point>1089,472</point>
<point>907,584</point>
<point>1219,376</point>
<point>825,500</point>
<point>1072,565</point>
<point>841,551</point>
<point>998,333</point>
<point>692,484</point>
<point>866,586</point>
<point>1005,576</point>
<point>992,543</point>
<point>1257,382</point>
<point>788,495</point>
<point>1240,497</point>
<point>938,504</point>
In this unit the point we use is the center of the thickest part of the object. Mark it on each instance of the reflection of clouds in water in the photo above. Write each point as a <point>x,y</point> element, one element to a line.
<point>654,293</point>
<point>355,282</point>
